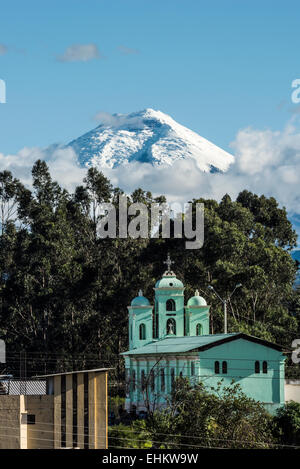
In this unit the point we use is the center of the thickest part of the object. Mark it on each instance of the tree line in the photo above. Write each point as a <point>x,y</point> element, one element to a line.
<point>64,292</point>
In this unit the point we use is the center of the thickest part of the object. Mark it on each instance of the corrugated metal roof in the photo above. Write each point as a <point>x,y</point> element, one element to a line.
<point>178,344</point>
<point>74,372</point>
<point>203,342</point>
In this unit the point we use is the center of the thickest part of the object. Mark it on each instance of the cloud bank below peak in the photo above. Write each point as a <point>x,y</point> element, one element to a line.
<point>266,162</point>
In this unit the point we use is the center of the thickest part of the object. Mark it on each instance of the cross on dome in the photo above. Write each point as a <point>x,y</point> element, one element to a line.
<point>169,263</point>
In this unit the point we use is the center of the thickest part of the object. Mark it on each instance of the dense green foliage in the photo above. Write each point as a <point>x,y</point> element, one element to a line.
<point>64,292</point>
<point>198,418</point>
<point>287,423</point>
<point>134,436</point>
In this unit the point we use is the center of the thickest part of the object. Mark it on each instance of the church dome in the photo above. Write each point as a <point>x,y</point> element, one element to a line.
<point>197,300</point>
<point>169,281</point>
<point>140,300</point>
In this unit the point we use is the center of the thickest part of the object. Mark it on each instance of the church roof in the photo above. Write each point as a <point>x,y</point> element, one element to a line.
<point>169,281</point>
<point>199,343</point>
<point>196,300</point>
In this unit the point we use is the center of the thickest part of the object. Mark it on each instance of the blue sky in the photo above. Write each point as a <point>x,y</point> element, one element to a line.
<point>214,66</point>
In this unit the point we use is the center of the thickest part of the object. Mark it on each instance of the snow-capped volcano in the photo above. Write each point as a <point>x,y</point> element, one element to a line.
<point>148,137</point>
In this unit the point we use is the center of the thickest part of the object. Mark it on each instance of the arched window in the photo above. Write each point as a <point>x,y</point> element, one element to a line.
<point>257,367</point>
<point>224,368</point>
<point>192,368</point>
<point>265,367</point>
<point>170,305</point>
<point>171,326</point>
<point>199,329</point>
<point>162,380</point>
<point>142,332</point>
<point>217,368</point>
<point>172,378</point>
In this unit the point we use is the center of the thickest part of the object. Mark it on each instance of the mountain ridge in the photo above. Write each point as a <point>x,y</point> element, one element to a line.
<point>147,136</point>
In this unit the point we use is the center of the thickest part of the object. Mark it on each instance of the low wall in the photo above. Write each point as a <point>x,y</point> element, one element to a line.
<point>292,390</point>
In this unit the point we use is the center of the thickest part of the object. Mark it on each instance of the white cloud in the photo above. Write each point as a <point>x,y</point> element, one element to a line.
<point>267,162</point>
<point>128,50</point>
<point>62,163</point>
<point>80,53</point>
<point>117,120</point>
<point>3,49</point>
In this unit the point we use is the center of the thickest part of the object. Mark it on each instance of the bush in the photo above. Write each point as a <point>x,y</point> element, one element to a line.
<point>287,421</point>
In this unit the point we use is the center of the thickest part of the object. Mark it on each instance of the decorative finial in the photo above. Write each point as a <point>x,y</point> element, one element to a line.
<point>169,263</point>
<point>197,293</point>
<point>140,292</point>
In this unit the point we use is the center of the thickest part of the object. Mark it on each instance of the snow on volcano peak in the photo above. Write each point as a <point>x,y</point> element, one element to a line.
<point>147,136</point>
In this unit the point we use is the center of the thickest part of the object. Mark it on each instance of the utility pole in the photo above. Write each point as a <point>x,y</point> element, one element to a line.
<point>224,301</point>
<point>225,316</point>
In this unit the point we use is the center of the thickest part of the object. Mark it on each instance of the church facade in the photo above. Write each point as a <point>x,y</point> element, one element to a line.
<point>170,339</point>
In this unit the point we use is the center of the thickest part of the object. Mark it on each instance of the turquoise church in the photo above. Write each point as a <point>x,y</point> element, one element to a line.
<point>169,339</point>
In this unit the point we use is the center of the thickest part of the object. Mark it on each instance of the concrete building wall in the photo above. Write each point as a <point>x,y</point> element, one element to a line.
<point>40,421</point>
<point>10,437</point>
<point>97,411</point>
<point>292,390</point>
<point>241,356</point>
<point>39,435</point>
<point>57,407</point>
<point>15,432</point>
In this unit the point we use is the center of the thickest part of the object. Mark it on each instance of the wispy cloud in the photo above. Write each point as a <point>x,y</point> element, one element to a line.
<point>3,49</point>
<point>117,120</point>
<point>127,50</point>
<point>80,53</point>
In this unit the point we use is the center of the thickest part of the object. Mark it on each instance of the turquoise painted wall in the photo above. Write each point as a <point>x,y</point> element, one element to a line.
<point>161,298</point>
<point>241,356</point>
<point>155,319</point>
<point>200,366</point>
<point>139,315</point>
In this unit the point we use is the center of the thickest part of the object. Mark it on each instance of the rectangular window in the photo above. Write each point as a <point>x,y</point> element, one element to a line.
<point>127,381</point>
<point>162,380</point>
<point>143,380</point>
<point>156,326</point>
<point>63,411</point>
<point>153,324</point>
<point>172,378</point>
<point>86,410</point>
<point>192,368</point>
<point>30,419</point>
<point>74,390</point>
<point>152,381</point>
<point>133,383</point>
